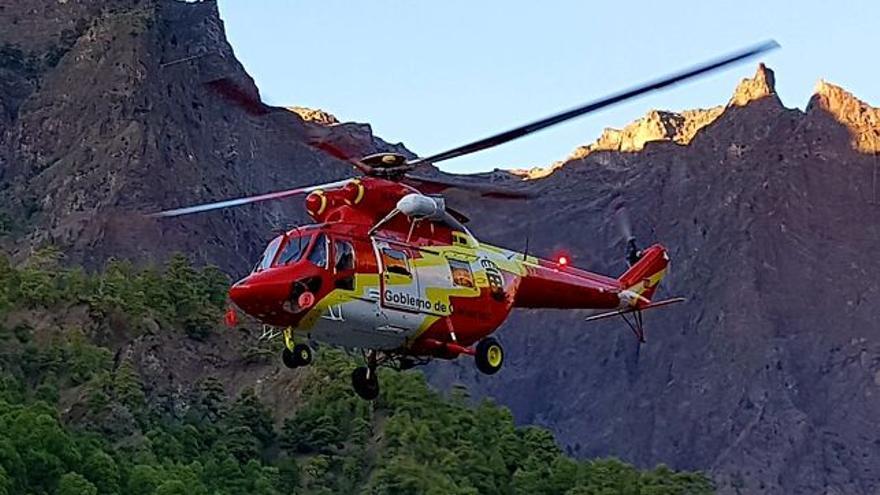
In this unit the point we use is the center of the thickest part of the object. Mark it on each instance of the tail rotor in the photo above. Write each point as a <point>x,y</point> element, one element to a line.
<point>632,253</point>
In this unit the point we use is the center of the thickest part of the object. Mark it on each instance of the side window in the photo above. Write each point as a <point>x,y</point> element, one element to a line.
<point>394,261</point>
<point>343,263</point>
<point>318,256</point>
<point>462,275</point>
<point>344,259</point>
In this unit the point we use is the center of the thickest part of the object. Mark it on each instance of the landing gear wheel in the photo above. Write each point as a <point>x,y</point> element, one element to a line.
<point>365,383</point>
<point>489,356</point>
<point>301,355</point>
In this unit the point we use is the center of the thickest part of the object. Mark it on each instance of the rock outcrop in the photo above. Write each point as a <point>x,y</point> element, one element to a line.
<point>315,116</point>
<point>762,85</point>
<point>861,119</point>
<point>657,125</point>
<point>660,125</point>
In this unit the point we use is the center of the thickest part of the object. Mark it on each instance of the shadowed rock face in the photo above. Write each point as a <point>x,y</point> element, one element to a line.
<point>769,377</point>
<point>112,130</point>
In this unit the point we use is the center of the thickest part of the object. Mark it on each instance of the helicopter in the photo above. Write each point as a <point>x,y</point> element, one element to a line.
<point>390,269</point>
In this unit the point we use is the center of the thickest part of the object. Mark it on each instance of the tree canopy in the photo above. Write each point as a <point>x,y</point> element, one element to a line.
<point>75,418</point>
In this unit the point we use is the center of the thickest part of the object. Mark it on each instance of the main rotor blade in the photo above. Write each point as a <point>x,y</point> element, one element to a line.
<point>504,137</point>
<point>316,135</point>
<point>234,93</point>
<point>243,201</point>
<point>433,185</point>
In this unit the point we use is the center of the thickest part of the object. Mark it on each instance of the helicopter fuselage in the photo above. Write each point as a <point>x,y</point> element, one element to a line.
<point>414,286</point>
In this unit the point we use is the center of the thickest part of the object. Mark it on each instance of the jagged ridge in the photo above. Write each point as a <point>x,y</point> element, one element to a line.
<point>660,125</point>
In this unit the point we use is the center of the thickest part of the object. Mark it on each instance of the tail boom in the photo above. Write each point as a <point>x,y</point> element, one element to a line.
<point>549,285</point>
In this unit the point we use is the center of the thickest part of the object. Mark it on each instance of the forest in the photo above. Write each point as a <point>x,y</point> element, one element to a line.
<point>78,418</point>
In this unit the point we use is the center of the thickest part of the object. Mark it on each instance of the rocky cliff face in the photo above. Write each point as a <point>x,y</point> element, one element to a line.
<point>767,377</point>
<point>124,120</point>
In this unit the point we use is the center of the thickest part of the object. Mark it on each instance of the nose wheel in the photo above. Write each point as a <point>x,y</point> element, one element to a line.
<point>300,355</point>
<point>295,355</point>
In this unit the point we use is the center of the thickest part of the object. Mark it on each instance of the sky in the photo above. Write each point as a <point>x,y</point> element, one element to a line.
<point>435,75</point>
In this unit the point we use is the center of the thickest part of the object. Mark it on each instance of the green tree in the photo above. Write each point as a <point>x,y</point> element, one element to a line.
<point>144,479</point>
<point>9,285</point>
<point>101,470</point>
<point>5,482</point>
<point>38,280</point>
<point>127,386</point>
<point>75,484</point>
<point>248,411</point>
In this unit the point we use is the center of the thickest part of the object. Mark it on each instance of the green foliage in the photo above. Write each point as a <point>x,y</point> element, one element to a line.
<point>178,296</point>
<point>414,440</point>
<point>114,438</point>
<point>102,471</point>
<point>75,484</point>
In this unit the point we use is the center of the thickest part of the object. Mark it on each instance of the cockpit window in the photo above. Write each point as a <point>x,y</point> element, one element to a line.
<point>294,249</point>
<point>269,254</point>
<point>318,256</point>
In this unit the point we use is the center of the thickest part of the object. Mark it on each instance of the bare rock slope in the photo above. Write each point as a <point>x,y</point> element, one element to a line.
<point>769,376</point>
<point>124,120</point>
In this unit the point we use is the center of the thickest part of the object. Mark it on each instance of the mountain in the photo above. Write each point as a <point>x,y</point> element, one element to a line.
<point>663,125</point>
<point>112,110</point>
<point>767,377</point>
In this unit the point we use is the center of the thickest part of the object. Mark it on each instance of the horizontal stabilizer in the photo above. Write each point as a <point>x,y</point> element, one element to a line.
<point>665,302</point>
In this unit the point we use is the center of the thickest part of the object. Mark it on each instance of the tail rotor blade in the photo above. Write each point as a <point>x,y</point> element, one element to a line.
<point>621,216</point>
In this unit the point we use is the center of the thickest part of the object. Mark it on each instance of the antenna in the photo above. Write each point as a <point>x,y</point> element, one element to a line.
<point>186,59</point>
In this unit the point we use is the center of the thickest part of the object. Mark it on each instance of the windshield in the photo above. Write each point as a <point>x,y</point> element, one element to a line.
<point>294,249</point>
<point>268,254</point>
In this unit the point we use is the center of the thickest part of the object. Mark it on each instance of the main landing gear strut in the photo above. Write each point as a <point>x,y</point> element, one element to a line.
<point>488,356</point>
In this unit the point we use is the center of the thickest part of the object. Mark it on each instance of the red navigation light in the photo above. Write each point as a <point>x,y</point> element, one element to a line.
<point>562,260</point>
<point>231,317</point>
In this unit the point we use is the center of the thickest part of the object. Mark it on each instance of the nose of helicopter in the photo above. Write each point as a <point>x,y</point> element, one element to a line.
<point>257,298</point>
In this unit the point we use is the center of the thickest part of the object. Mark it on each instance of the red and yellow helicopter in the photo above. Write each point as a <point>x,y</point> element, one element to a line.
<point>389,269</point>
